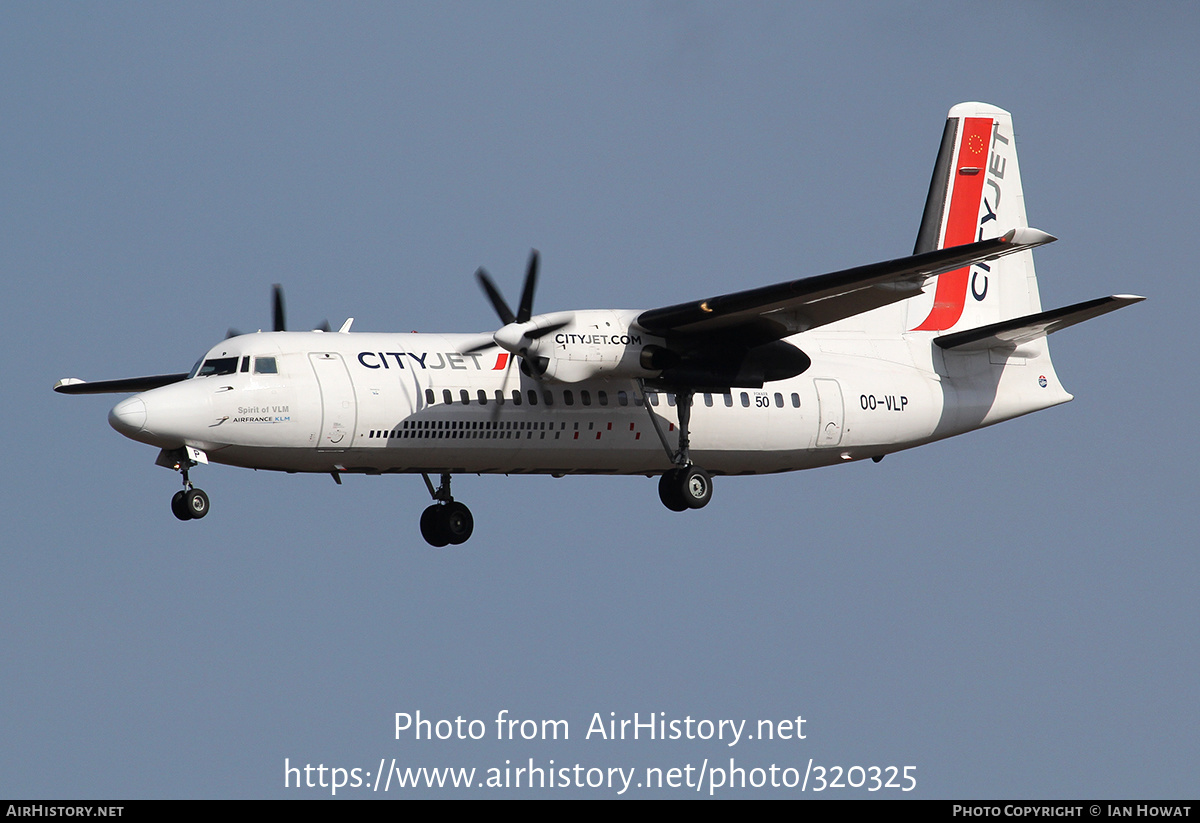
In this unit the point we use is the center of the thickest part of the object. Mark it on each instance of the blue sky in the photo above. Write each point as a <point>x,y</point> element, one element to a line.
<point>1011,612</point>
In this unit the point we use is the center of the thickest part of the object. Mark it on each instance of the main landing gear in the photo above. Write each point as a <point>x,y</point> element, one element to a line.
<point>189,503</point>
<point>446,522</point>
<point>686,486</point>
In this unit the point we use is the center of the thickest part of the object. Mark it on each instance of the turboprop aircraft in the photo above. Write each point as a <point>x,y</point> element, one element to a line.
<point>827,369</point>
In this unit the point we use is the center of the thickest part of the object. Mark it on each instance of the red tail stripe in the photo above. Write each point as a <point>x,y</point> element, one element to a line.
<point>961,222</point>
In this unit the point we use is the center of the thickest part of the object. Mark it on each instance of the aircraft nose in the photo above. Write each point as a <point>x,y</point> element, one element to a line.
<point>129,416</point>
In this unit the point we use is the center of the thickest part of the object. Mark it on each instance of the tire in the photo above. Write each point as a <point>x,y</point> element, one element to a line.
<point>196,503</point>
<point>434,528</point>
<point>669,491</point>
<point>695,487</point>
<point>179,507</point>
<point>459,523</point>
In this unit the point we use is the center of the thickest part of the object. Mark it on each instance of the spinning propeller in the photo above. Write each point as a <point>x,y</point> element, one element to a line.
<point>73,385</point>
<point>278,322</point>
<point>518,334</point>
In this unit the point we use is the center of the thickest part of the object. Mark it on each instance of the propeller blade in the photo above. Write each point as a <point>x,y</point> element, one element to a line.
<point>277,308</point>
<point>525,309</point>
<point>484,346</point>
<point>537,334</point>
<point>495,413</point>
<point>493,293</point>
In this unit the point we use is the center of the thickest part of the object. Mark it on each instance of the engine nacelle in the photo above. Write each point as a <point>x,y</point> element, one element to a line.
<point>592,345</point>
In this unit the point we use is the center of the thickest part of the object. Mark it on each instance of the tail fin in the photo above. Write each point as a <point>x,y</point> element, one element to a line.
<point>975,194</point>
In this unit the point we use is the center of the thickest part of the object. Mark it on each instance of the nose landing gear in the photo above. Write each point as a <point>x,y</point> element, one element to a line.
<point>188,503</point>
<point>446,522</point>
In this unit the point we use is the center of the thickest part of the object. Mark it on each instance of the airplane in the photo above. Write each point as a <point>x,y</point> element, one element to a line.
<point>828,369</point>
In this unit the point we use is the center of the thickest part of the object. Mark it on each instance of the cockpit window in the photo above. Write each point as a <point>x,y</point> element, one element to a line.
<point>265,365</point>
<point>219,365</point>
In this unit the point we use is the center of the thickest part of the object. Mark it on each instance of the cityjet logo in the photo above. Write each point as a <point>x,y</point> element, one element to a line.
<point>599,339</point>
<point>974,203</point>
<point>430,360</point>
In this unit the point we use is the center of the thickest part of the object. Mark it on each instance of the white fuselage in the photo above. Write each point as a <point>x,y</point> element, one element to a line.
<point>406,403</point>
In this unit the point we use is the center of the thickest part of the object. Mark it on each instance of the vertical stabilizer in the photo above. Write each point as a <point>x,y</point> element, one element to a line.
<point>975,194</point>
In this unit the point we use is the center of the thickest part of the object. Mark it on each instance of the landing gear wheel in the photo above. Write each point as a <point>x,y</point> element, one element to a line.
<point>670,491</point>
<point>196,503</point>
<point>695,487</point>
<point>434,527</point>
<point>458,523</point>
<point>179,507</point>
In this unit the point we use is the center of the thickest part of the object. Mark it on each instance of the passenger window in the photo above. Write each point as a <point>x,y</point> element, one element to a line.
<point>568,397</point>
<point>265,365</point>
<point>499,397</point>
<point>653,396</point>
<point>728,399</point>
<point>778,400</point>
<point>623,398</point>
<point>795,400</point>
<point>708,399</point>
<point>516,396</point>
<point>447,396</point>
<point>464,396</point>
<point>602,396</point>
<point>670,398</point>
<point>548,396</point>
<point>532,397</point>
<point>429,401</point>
<point>585,397</point>
<point>745,400</point>
<point>482,395</point>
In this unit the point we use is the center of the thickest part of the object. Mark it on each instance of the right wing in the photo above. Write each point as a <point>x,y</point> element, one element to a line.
<point>758,316</point>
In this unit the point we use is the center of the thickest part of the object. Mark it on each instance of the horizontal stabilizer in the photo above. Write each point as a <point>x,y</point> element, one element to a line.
<point>1012,333</point>
<point>73,385</point>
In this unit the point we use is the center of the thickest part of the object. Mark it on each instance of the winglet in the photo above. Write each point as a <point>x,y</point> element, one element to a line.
<point>1027,236</point>
<point>63,386</point>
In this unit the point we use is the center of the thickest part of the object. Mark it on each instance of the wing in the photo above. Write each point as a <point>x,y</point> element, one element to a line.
<point>73,385</point>
<point>761,315</point>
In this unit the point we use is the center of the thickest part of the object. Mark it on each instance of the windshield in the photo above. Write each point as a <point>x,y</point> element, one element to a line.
<point>220,365</point>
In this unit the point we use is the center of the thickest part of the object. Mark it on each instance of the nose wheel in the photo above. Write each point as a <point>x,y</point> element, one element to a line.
<point>447,522</point>
<point>189,503</point>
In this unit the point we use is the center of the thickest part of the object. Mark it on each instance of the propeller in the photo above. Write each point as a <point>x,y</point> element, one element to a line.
<point>277,308</point>
<point>517,335</point>
<point>278,316</point>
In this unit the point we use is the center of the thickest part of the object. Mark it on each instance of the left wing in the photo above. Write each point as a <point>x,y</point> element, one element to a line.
<point>758,316</point>
<point>73,385</point>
